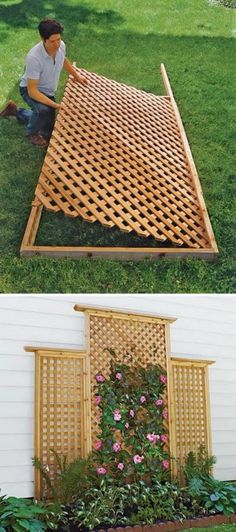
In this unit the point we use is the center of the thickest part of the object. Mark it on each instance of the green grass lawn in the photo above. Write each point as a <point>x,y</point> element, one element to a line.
<point>126,41</point>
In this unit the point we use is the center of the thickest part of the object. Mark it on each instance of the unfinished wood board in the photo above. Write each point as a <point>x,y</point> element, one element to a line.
<point>120,156</point>
<point>190,410</point>
<point>62,410</point>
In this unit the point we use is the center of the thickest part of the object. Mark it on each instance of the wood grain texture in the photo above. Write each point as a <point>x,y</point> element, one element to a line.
<point>190,410</point>
<point>120,156</point>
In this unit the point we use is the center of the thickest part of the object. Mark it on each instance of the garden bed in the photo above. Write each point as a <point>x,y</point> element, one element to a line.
<point>168,526</point>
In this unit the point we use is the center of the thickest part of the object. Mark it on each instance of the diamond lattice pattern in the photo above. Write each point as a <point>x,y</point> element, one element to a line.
<point>116,156</point>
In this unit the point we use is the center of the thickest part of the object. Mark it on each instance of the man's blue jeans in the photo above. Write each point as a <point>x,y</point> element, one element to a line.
<point>39,119</point>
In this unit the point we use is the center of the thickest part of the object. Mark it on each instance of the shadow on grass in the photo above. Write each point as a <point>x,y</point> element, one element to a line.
<point>27,14</point>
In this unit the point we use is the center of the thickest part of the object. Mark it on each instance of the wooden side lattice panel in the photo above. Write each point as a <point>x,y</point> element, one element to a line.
<point>62,420</point>
<point>189,409</point>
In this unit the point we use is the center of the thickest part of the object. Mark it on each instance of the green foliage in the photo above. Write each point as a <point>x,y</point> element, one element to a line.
<point>72,479</point>
<point>198,464</point>
<point>20,515</point>
<point>214,495</point>
<point>133,438</point>
<point>137,503</point>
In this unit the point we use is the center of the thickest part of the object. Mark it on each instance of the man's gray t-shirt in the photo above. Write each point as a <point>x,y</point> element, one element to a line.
<point>39,65</point>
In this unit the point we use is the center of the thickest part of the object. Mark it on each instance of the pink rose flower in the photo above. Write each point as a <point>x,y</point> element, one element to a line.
<point>164,438</point>
<point>98,445</point>
<point>120,466</point>
<point>159,402</point>
<point>131,413</point>
<point>117,415</point>
<point>143,399</point>
<point>165,464</point>
<point>98,399</point>
<point>118,376</point>
<point>138,459</point>
<point>100,378</point>
<point>153,438</point>
<point>126,425</point>
<point>101,470</point>
<point>116,447</point>
<point>165,414</point>
<point>163,379</point>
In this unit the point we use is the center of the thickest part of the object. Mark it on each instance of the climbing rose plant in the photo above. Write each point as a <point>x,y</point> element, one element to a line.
<point>132,420</point>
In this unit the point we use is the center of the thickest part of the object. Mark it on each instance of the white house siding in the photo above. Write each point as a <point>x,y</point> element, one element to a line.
<point>205,328</point>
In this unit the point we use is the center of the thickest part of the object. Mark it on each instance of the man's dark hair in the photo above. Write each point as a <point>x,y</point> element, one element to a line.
<point>48,27</point>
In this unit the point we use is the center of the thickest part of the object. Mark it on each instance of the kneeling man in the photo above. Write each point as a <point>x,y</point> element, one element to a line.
<point>39,82</point>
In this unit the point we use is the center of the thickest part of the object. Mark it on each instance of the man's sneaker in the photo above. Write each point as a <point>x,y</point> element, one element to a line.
<point>9,110</point>
<point>37,140</point>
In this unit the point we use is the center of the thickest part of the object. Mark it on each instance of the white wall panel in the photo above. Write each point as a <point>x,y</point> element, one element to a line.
<point>205,328</point>
<point>19,489</point>
<point>23,457</point>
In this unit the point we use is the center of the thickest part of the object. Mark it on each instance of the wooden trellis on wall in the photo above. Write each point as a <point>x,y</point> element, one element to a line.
<point>120,156</point>
<point>190,411</point>
<point>66,417</point>
<point>62,409</point>
<point>133,337</point>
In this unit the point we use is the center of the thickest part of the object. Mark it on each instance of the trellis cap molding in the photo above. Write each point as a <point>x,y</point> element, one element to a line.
<point>56,350</point>
<point>192,361</point>
<point>123,314</point>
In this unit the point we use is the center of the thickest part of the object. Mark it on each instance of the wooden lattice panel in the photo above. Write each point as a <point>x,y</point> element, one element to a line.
<point>134,339</point>
<point>117,155</point>
<point>190,408</point>
<point>61,406</point>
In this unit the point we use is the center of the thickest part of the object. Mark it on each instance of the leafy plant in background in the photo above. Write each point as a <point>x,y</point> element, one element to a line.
<point>136,503</point>
<point>213,495</point>
<point>198,464</point>
<point>72,479</point>
<point>133,440</point>
<point>19,515</point>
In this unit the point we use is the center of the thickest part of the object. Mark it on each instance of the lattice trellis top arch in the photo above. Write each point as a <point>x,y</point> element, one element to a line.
<point>120,156</point>
<point>135,337</point>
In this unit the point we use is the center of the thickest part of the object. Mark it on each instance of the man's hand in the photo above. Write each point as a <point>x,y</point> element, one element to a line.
<point>81,79</point>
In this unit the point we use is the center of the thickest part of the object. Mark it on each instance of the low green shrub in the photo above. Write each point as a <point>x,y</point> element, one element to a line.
<point>207,493</point>
<point>198,465</point>
<point>136,503</point>
<point>214,495</point>
<point>72,479</point>
<point>20,515</point>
